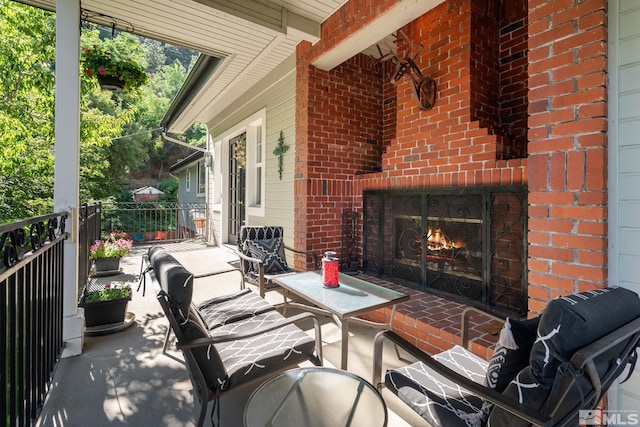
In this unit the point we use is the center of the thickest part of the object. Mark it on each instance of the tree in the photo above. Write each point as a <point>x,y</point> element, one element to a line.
<point>118,132</point>
<point>105,161</point>
<point>27,80</point>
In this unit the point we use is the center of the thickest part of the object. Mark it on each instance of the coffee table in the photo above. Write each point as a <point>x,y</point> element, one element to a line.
<point>351,298</point>
<point>318,397</point>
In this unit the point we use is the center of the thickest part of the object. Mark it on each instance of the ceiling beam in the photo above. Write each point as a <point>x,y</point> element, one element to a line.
<point>268,15</point>
<point>386,23</point>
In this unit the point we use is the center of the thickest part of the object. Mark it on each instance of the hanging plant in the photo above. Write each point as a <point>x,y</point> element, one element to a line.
<point>240,153</point>
<point>116,73</point>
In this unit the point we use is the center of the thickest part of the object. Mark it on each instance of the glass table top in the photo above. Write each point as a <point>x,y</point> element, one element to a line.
<point>316,397</point>
<point>352,296</point>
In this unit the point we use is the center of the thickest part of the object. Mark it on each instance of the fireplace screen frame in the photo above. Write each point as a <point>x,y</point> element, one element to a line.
<point>468,244</point>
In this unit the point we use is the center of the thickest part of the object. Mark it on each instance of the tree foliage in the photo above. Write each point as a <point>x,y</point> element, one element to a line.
<point>27,55</point>
<point>119,132</point>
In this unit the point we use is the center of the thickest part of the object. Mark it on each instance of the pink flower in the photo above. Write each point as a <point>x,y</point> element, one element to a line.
<point>87,72</point>
<point>101,71</point>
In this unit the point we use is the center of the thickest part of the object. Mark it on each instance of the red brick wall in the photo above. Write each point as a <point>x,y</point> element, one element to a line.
<point>484,19</point>
<point>567,148</point>
<point>513,75</point>
<point>389,106</point>
<point>458,142</point>
<point>445,146</point>
<point>344,122</point>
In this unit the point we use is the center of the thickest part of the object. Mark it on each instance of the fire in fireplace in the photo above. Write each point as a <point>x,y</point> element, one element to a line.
<point>468,244</point>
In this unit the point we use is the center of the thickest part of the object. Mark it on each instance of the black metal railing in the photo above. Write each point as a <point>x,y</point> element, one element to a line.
<point>154,221</point>
<point>31,290</point>
<point>88,233</point>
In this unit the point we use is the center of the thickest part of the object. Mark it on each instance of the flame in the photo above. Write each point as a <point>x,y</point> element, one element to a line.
<point>438,241</point>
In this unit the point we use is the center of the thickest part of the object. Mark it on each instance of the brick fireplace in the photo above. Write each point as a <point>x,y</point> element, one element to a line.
<point>467,244</point>
<point>521,101</point>
<point>362,133</point>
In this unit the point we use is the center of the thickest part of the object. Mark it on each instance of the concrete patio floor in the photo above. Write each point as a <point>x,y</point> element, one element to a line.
<point>124,379</point>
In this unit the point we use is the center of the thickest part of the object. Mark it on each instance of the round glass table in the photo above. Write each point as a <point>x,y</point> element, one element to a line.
<point>317,397</point>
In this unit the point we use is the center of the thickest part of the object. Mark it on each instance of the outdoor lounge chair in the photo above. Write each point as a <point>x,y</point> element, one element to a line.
<point>229,341</point>
<point>262,256</point>
<point>543,372</point>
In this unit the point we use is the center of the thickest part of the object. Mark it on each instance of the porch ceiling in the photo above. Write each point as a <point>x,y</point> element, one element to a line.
<point>252,37</point>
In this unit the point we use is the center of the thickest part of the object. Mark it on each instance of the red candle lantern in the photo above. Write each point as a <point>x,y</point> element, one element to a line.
<point>330,270</point>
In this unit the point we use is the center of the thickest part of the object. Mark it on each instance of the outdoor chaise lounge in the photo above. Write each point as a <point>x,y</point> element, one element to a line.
<point>543,372</point>
<point>262,255</point>
<point>228,341</point>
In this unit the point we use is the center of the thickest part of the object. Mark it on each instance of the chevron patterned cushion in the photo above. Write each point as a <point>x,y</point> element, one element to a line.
<point>271,252</point>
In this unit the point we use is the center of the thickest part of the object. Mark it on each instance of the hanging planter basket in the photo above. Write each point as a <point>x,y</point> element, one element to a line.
<point>111,83</point>
<point>113,71</point>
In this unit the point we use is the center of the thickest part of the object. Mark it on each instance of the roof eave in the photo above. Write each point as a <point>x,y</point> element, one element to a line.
<point>187,161</point>
<point>199,75</point>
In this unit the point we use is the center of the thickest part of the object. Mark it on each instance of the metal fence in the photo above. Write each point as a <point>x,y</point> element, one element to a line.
<point>155,221</point>
<point>88,233</point>
<point>31,289</point>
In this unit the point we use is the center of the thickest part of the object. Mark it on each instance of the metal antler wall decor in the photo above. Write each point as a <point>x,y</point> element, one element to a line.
<point>424,87</point>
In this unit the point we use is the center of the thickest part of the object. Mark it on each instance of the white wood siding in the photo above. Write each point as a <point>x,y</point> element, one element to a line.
<point>624,166</point>
<point>276,93</point>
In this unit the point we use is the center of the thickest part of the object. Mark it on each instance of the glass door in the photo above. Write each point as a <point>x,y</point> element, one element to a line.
<point>237,180</point>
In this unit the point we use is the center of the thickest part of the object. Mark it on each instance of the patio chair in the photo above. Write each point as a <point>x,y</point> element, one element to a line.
<point>230,341</point>
<point>222,304</point>
<point>543,371</point>
<point>262,256</point>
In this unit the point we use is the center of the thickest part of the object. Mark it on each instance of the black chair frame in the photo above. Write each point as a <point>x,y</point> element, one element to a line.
<point>253,269</point>
<point>582,362</point>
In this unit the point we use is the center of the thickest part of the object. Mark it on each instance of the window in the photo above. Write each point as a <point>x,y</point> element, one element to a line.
<point>217,174</point>
<point>255,129</point>
<point>259,165</point>
<point>256,146</point>
<point>187,181</point>
<point>202,177</point>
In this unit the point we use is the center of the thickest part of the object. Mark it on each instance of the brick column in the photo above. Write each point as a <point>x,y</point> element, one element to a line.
<point>567,148</point>
<point>301,229</point>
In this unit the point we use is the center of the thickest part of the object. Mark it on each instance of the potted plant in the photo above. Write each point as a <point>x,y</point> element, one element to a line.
<point>106,253</point>
<point>113,73</point>
<point>106,305</point>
